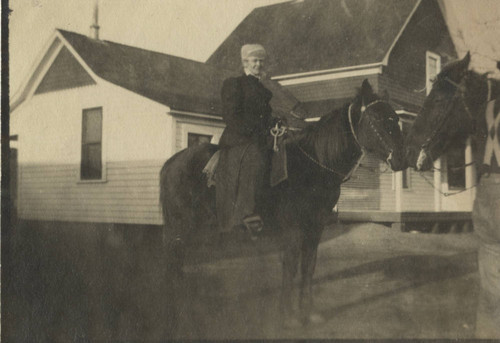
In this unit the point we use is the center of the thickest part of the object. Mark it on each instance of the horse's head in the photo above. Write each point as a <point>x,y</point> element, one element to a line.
<point>376,127</point>
<point>445,116</point>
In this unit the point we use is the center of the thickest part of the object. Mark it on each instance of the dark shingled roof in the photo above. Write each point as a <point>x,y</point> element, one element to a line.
<point>177,82</point>
<point>308,35</point>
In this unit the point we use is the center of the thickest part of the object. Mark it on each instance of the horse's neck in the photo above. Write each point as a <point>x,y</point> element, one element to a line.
<point>332,143</point>
<point>478,91</point>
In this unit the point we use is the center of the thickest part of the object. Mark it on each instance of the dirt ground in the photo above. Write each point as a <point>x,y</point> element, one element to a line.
<point>69,283</point>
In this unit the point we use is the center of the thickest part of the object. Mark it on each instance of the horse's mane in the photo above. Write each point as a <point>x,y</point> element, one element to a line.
<point>329,137</point>
<point>475,80</point>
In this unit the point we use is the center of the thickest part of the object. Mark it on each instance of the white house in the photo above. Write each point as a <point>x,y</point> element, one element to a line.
<point>95,122</point>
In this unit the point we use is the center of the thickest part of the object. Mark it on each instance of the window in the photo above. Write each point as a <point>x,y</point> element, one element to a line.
<point>91,163</point>
<point>455,161</point>
<point>432,68</point>
<point>197,139</point>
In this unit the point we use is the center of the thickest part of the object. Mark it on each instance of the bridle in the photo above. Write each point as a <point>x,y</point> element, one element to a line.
<point>346,177</point>
<point>459,94</point>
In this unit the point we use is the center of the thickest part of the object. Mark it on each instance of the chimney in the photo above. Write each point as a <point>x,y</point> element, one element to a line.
<point>94,28</point>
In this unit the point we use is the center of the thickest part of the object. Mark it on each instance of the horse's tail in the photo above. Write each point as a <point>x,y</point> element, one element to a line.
<point>164,187</point>
<point>178,180</point>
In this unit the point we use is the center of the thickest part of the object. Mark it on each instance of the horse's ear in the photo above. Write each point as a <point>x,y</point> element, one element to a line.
<point>385,95</point>
<point>464,63</point>
<point>498,65</point>
<point>366,88</point>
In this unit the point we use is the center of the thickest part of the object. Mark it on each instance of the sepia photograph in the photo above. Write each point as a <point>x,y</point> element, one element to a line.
<point>250,170</point>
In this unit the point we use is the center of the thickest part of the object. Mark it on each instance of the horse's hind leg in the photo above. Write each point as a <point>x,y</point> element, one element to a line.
<point>310,244</point>
<point>176,235</point>
<point>290,266</point>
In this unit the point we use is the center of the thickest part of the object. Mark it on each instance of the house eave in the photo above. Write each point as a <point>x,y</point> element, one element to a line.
<point>325,71</point>
<point>33,79</point>
<point>194,115</point>
<point>330,74</point>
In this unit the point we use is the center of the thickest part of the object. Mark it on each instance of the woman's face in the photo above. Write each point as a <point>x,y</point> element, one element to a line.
<point>254,65</point>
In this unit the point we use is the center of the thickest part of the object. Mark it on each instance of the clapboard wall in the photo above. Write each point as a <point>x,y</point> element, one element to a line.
<point>135,143</point>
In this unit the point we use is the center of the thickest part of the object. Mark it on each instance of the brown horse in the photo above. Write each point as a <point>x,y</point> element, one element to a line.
<point>462,104</point>
<point>319,159</point>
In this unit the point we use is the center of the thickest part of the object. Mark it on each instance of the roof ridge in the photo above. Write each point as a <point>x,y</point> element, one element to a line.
<point>277,4</point>
<point>147,50</point>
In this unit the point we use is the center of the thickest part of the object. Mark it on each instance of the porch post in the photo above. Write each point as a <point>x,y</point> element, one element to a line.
<point>437,185</point>
<point>398,189</point>
<point>470,171</point>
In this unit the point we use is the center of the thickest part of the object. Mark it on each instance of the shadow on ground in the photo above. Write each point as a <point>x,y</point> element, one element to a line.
<point>71,282</point>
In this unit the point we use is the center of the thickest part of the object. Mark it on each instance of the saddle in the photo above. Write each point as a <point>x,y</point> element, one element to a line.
<point>230,171</point>
<point>279,171</point>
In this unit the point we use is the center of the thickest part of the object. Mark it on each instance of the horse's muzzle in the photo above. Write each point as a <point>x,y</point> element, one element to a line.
<point>397,160</point>
<point>424,162</point>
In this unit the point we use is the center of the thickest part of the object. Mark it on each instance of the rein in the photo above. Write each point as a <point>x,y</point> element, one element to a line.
<point>459,93</point>
<point>446,194</point>
<point>347,177</point>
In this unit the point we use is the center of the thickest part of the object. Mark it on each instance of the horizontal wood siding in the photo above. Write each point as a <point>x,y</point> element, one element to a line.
<point>363,190</point>
<point>135,144</point>
<point>53,192</point>
<point>426,31</point>
<point>420,195</point>
<point>387,192</point>
<point>400,96</point>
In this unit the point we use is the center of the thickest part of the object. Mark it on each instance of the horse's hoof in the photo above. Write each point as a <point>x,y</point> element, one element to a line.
<point>291,323</point>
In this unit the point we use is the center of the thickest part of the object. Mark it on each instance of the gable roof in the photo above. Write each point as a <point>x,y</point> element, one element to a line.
<point>181,84</point>
<point>311,35</point>
<point>177,82</point>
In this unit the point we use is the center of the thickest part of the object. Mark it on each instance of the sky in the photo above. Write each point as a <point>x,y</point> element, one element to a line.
<point>194,28</point>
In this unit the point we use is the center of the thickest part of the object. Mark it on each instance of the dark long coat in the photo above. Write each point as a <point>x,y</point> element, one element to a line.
<point>244,160</point>
<point>246,111</point>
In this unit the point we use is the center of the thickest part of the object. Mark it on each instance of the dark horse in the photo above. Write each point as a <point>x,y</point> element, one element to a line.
<point>462,104</point>
<point>452,112</point>
<point>319,159</point>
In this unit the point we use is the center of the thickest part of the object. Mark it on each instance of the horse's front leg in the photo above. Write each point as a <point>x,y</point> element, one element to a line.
<point>290,266</point>
<point>312,236</point>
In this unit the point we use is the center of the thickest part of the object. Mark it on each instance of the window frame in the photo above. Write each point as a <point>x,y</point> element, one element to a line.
<point>407,171</point>
<point>200,129</point>
<point>446,177</point>
<point>428,56</point>
<point>199,135</point>
<point>103,177</point>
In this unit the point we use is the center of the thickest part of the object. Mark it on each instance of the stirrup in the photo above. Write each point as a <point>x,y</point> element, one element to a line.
<point>253,223</point>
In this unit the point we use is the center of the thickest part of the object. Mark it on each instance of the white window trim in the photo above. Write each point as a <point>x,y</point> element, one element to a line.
<point>444,178</point>
<point>437,164</point>
<point>407,171</point>
<point>103,178</point>
<point>428,84</point>
<point>214,131</point>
